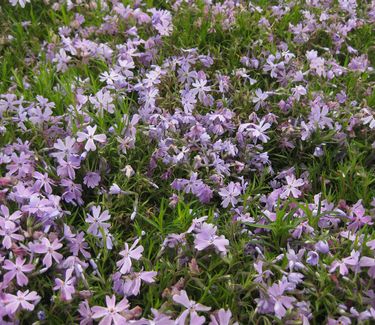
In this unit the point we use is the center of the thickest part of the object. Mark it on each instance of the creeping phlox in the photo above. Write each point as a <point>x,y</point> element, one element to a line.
<point>198,162</point>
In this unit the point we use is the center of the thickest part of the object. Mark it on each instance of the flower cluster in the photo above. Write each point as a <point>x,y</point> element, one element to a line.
<point>219,151</point>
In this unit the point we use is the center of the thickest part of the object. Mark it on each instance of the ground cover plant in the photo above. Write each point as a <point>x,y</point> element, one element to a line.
<point>187,162</point>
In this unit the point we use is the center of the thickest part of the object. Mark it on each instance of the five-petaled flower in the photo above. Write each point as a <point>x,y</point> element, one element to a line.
<point>90,137</point>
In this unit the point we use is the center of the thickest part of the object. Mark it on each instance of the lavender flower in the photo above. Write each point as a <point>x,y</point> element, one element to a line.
<point>112,313</point>
<point>90,138</point>
<point>229,194</point>
<point>49,250</point>
<point>17,270</point>
<point>207,237</point>
<point>128,254</point>
<point>23,300</point>
<point>191,309</point>
<point>66,286</point>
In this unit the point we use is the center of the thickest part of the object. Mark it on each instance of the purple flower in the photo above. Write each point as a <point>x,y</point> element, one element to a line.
<point>200,87</point>
<point>102,101</point>
<point>66,286</point>
<point>192,184</point>
<point>258,131</point>
<point>112,313</point>
<point>9,233</point>
<point>85,313</point>
<point>280,302</point>
<point>65,148</point>
<point>298,92</point>
<point>22,3</point>
<point>20,165</point>
<point>160,319</point>
<point>322,247</point>
<point>23,300</point>
<point>90,138</point>
<point>17,270</point>
<point>125,66</point>
<point>221,317</point>
<point>114,189</point>
<point>91,179</point>
<point>191,309</point>
<point>303,227</point>
<point>9,219</point>
<point>358,219</point>
<point>370,263</point>
<point>318,117</point>
<point>351,261</point>
<point>316,63</point>
<point>371,244</point>
<point>49,249</point>
<point>294,260</point>
<point>162,21</point>
<point>261,275</point>
<point>260,98</point>
<point>342,320</point>
<point>43,180</point>
<point>292,187</point>
<point>207,237</point>
<point>61,58</point>
<point>66,168</point>
<point>77,244</point>
<point>359,63</point>
<point>133,281</point>
<point>134,253</point>
<point>229,194</point>
<point>97,220</point>
<point>312,258</point>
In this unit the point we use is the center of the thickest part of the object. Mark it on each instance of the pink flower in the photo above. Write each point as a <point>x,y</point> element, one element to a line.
<point>90,138</point>
<point>17,270</point>
<point>49,249</point>
<point>23,300</point>
<point>191,309</point>
<point>111,313</point>
<point>128,254</point>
